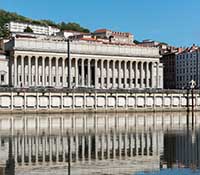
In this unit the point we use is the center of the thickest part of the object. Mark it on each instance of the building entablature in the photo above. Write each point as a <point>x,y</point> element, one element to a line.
<point>30,54</point>
<point>78,47</point>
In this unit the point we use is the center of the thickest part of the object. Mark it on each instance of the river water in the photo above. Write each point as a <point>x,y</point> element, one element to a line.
<point>100,144</point>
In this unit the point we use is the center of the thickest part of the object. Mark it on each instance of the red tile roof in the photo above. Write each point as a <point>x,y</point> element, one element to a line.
<point>101,30</point>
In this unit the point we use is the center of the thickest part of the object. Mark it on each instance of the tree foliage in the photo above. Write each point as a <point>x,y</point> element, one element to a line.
<point>72,26</point>
<point>4,32</point>
<point>136,42</point>
<point>28,30</point>
<point>6,17</point>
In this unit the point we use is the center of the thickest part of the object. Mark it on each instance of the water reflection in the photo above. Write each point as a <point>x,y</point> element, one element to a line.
<point>120,143</point>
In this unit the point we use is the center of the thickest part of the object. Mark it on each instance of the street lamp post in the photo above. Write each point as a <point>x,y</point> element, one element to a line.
<point>192,84</point>
<point>69,63</point>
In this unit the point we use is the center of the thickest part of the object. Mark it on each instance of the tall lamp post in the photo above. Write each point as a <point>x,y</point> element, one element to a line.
<point>192,84</point>
<point>69,63</point>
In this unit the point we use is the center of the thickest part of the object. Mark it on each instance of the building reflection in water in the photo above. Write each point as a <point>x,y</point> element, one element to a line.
<point>121,143</point>
<point>182,149</point>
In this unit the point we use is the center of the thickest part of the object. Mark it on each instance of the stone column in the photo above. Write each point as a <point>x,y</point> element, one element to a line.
<point>152,76</point>
<point>83,72</point>
<point>22,71</point>
<point>147,75</point>
<point>102,77</point>
<point>107,74</point>
<point>125,77</point>
<point>157,75</point>
<point>36,71</point>
<point>131,75</point>
<point>43,72</point>
<point>69,66</point>
<point>119,74</point>
<point>29,72</point>
<point>63,72</point>
<point>57,77</point>
<point>113,75</point>
<point>89,73</point>
<point>136,74</point>
<point>50,76</point>
<point>15,71</point>
<point>76,74</point>
<point>95,76</point>
<point>141,75</point>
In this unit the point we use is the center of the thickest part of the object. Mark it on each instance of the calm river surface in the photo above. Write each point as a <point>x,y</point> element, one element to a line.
<point>100,144</point>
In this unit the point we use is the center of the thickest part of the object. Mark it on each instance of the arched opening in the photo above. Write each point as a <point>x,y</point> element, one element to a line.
<point>53,71</point>
<point>150,70</point>
<point>99,72</point>
<point>26,71</point>
<point>33,71</point>
<point>139,81</point>
<point>40,73</point>
<point>19,68</point>
<point>46,72</point>
<point>60,74</point>
<point>92,75</point>
<point>134,74</point>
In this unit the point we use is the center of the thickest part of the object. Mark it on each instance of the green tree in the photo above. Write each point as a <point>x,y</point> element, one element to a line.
<point>6,17</point>
<point>136,42</point>
<point>4,32</point>
<point>72,26</point>
<point>28,30</point>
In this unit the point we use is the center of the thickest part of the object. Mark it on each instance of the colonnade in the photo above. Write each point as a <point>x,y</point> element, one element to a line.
<point>37,150</point>
<point>85,72</point>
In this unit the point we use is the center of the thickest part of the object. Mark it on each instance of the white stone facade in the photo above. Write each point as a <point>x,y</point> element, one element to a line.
<point>14,26</point>
<point>37,62</point>
<point>4,74</point>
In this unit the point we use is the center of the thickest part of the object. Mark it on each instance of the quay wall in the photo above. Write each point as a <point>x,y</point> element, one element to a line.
<point>15,101</point>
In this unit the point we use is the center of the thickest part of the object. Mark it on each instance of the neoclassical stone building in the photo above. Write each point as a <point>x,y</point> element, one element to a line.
<point>45,61</point>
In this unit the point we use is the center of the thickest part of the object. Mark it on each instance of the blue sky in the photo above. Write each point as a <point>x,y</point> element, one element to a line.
<point>174,21</point>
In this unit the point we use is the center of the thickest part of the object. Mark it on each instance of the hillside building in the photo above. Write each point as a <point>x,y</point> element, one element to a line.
<point>15,26</point>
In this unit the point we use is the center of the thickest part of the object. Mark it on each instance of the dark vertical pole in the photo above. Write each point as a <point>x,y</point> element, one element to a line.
<point>11,62</point>
<point>69,156</point>
<point>69,63</point>
<point>197,68</point>
<point>188,109</point>
<point>192,108</point>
